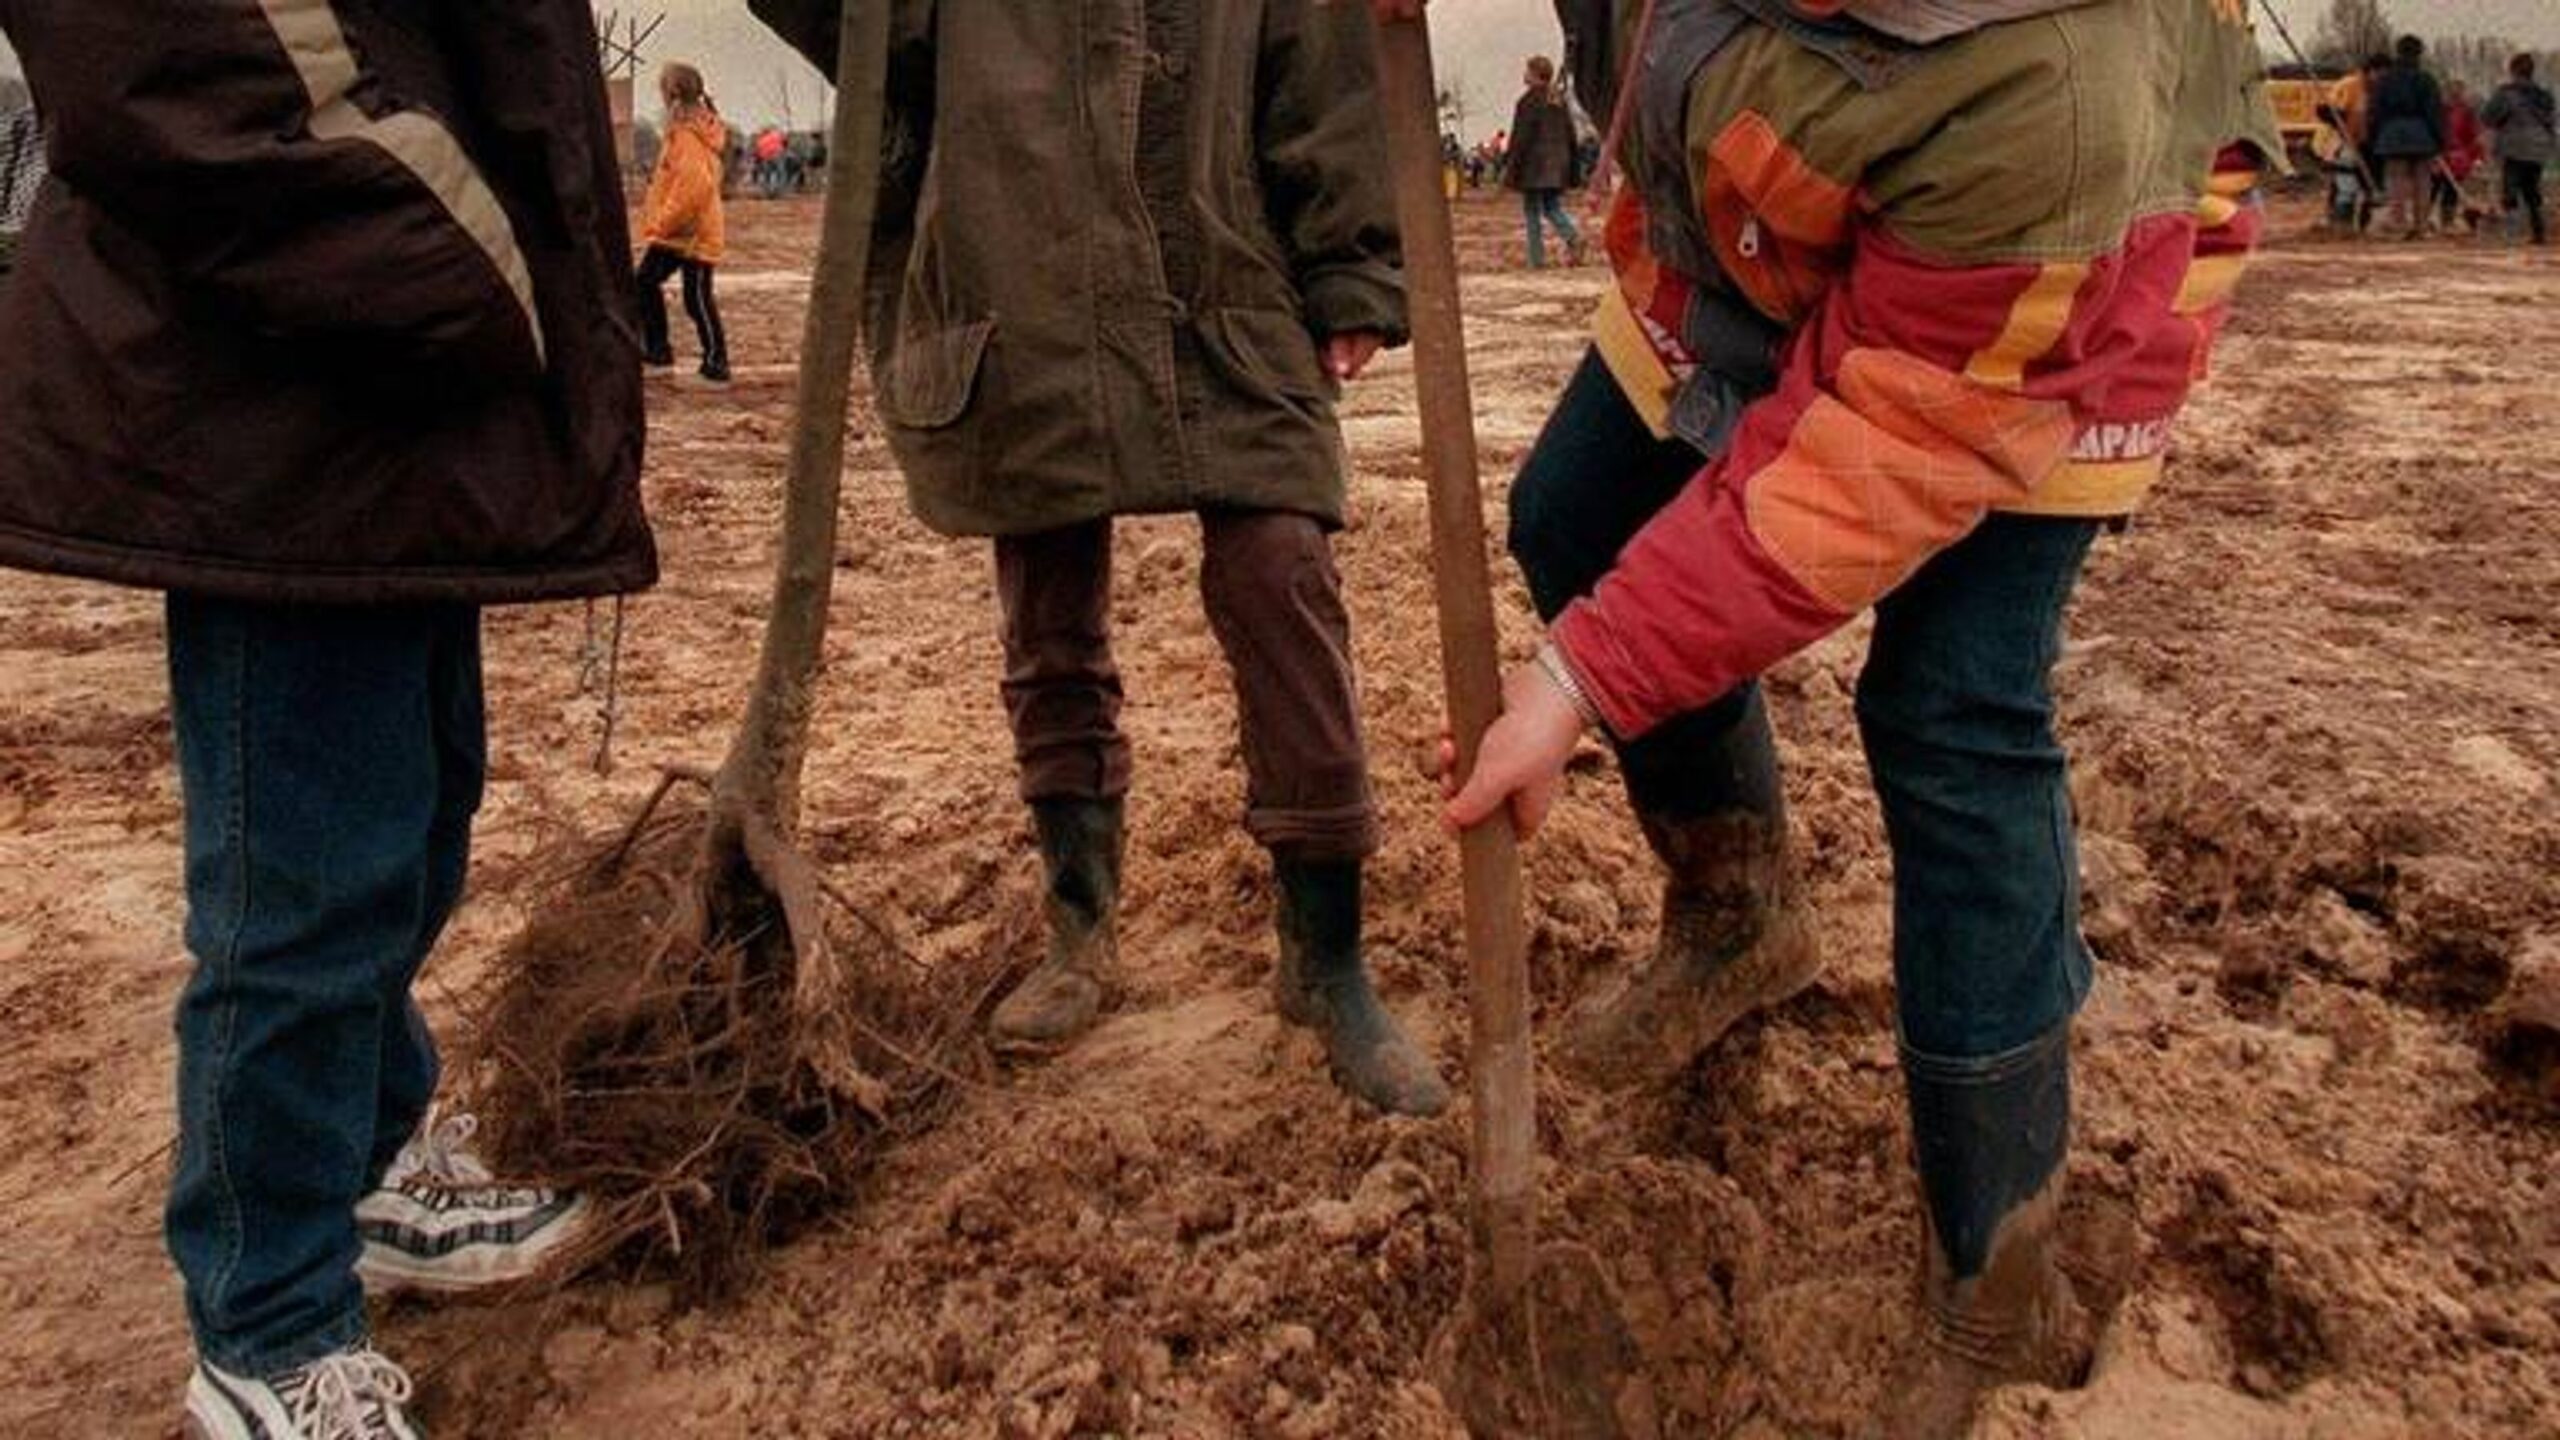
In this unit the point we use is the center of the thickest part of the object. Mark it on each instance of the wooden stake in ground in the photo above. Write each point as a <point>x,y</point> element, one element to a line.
<point>1538,1348</point>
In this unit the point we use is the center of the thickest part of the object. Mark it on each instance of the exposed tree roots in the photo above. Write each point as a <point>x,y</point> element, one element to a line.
<point>681,1039</point>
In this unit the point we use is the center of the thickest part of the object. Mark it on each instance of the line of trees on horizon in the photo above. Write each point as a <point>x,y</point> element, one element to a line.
<point>2354,29</point>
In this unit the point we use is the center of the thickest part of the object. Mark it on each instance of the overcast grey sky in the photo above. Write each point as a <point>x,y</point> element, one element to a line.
<point>1480,45</point>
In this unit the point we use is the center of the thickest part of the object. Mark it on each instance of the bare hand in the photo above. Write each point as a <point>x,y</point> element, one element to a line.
<point>1523,759</point>
<point>1347,356</point>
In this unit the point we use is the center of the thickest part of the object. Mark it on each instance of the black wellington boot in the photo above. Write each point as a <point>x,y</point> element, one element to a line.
<point>1081,843</point>
<point>1324,985</point>
<point>1990,1137</point>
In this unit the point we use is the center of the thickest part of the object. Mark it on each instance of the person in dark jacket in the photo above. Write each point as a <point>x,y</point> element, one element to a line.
<point>2408,134</point>
<point>2524,124</point>
<point>370,366</point>
<point>1540,164</point>
<point>1076,319</point>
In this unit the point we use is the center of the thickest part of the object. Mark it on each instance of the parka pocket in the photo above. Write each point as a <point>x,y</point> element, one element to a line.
<point>933,375</point>
<point>1267,354</point>
<point>1777,223</point>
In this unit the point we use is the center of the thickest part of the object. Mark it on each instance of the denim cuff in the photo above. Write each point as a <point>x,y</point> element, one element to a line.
<point>270,1362</point>
<point>1987,1069</point>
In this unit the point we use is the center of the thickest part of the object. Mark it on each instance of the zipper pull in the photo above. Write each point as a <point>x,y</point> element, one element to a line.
<point>1750,245</point>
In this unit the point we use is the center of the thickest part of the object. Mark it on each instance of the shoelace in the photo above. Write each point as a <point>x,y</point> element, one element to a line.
<point>439,1155</point>
<point>349,1396</point>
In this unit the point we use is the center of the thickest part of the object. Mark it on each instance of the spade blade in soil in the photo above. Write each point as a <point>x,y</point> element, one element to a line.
<point>1555,1362</point>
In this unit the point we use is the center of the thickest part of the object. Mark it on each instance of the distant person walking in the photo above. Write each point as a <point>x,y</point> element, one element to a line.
<point>683,229</point>
<point>1540,163</point>
<point>769,155</point>
<point>2408,134</point>
<point>2466,146</point>
<point>2345,116</point>
<point>2525,125</point>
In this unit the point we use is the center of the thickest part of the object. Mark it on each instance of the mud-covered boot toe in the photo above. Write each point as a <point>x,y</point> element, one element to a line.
<point>1323,984</point>
<point>1995,1306</point>
<point>1707,974</point>
<point>1052,1006</point>
<point>1374,1061</point>
<point>1080,845</point>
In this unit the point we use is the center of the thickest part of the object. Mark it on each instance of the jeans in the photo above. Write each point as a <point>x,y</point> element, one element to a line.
<point>1955,708</point>
<point>1541,208</point>
<point>332,759</point>
<point>701,305</point>
<point>1268,582</point>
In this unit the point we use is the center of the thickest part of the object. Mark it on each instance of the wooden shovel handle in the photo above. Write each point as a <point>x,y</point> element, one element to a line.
<point>1500,1059</point>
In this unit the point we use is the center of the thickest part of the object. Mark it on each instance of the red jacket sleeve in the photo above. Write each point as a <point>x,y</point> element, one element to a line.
<point>1918,396</point>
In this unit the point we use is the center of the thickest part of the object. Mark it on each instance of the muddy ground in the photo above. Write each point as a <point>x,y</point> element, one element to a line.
<point>2312,700</point>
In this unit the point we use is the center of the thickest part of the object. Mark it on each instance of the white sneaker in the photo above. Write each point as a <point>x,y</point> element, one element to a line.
<point>441,1225</point>
<point>352,1395</point>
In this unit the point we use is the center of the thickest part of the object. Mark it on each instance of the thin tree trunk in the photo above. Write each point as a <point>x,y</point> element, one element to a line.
<point>759,783</point>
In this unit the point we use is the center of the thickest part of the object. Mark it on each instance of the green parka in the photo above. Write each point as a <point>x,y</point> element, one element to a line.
<point>1112,236</point>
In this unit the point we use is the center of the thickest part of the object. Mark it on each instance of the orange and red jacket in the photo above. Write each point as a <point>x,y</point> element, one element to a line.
<point>1997,276</point>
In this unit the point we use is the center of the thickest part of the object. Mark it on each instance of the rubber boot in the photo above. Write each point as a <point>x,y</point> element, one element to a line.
<point>1732,942</point>
<point>1080,843</point>
<point>1324,985</point>
<point>1990,1138</point>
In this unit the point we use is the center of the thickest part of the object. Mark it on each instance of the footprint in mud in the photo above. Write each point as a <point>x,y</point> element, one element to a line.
<point>2102,1253</point>
<point>2227,1248</point>
<point>2524,1029</point>
<point>2461,960</point>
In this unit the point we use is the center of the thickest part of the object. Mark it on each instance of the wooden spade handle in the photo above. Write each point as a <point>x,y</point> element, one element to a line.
<point>1500,1060</point>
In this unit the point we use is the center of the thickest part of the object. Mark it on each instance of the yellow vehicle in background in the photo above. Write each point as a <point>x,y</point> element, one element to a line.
<point>2296,95</point>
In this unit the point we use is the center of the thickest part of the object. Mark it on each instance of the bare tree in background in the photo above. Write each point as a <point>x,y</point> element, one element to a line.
<point>2480,61</point>
<point>1453,111</point>
<point>2352,30</point>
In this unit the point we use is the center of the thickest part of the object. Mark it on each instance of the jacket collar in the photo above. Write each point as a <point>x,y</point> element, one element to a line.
<point>1926,22</point>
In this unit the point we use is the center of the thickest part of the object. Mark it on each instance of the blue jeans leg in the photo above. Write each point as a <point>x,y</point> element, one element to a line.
<point>1533,215</point>
<point>1956,709</point>
<point>1595,478</point>
<point>410,1071</point>
<point>329,760</point>
<point>1560,216</point>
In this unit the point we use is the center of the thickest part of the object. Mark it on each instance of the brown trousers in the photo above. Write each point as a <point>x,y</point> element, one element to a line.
<point>1274,598</point>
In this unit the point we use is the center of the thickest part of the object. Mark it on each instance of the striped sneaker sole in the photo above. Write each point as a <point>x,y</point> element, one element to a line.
<point>460,1252</point>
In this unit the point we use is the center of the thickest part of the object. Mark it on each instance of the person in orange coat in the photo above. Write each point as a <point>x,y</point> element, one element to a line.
<point>682,229</point>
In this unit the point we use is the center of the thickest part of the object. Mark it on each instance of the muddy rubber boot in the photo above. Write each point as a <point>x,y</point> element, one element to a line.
<point>1080,843</point>
<point>1995,1307</point>
<point>1324,986</point>
<point>1732,942</point>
